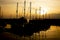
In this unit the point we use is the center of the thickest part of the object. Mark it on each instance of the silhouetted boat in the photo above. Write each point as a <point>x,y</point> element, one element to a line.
<point>21,27</point>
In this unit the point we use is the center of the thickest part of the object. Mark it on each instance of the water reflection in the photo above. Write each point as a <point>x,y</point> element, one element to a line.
<point>8,26</point>
<point>53,33</point>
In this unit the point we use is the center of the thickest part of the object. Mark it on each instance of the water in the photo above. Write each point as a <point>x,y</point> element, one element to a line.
<point>53,33</point>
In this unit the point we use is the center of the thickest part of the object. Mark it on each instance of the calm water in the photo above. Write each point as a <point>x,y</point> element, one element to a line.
<point>51,34</point>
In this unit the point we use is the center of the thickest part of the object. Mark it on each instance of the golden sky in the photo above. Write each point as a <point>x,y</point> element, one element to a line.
<point>49,6</point>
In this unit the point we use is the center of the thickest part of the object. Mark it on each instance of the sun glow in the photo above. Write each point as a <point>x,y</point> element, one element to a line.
<point>43,11</point>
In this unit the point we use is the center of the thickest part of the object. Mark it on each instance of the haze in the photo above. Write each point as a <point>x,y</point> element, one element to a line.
<point>8,7</point>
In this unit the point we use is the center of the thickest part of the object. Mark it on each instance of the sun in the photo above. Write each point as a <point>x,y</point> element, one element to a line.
<point>43,11</point>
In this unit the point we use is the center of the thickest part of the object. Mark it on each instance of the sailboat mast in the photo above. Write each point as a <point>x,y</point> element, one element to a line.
<point>24,7</point>
<point>36,13</point>
<point>30,10</point>
<point>17,11</point>
<point>39,12</point>
<point>0,11</point>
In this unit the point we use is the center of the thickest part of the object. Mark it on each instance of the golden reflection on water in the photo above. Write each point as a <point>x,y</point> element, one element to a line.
<point>52,32</point>
<point>8,26</point>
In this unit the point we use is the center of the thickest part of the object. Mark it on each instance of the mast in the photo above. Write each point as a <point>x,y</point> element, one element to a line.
<point>30,10</point>
<point>0,11</point>
<point>43,14</point>
<point>39,12</point>
<point>36,13</point>
<point>24,7</point>
<point>17,11</point>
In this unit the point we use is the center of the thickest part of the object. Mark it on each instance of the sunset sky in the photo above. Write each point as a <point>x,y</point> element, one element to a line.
<point>8,7</point>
